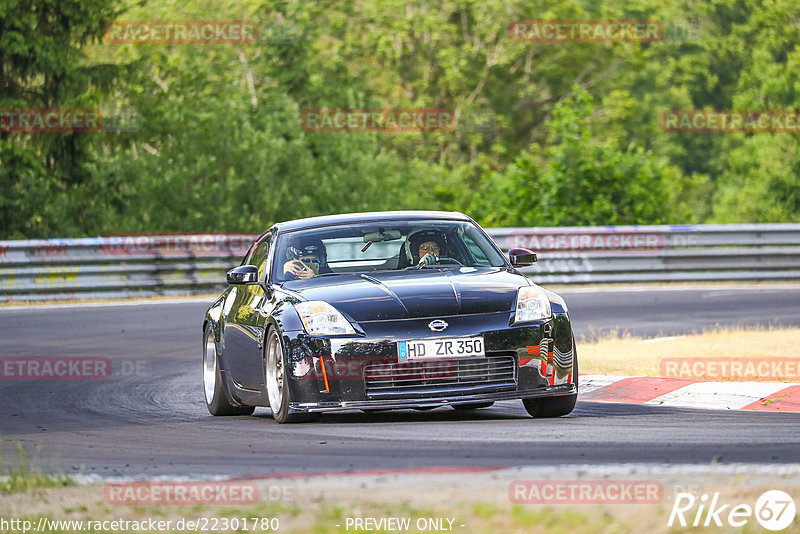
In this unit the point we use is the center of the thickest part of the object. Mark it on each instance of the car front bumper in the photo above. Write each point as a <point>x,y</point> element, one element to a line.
<point>522,361</point>
<point>434,402</point>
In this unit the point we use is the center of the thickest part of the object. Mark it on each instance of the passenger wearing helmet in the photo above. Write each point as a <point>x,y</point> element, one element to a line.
<point>425,247</point>
<point>306,257</point>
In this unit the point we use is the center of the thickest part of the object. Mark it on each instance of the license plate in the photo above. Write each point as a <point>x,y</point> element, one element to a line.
<point>454,347</point>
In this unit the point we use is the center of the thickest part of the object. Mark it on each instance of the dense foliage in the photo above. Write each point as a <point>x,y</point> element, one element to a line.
<point>209,137</point>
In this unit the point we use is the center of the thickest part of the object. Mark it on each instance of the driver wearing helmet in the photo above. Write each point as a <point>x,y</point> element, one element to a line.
<point>425,247</point>
<point>306,257</point>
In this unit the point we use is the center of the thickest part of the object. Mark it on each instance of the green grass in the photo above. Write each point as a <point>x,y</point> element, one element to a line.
<point>27,476</point>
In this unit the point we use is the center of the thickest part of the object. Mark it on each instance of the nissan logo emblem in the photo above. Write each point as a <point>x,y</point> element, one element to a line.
<point>437,326</point>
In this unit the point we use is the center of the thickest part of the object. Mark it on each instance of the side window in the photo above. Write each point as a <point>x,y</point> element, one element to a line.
<point>478,255</point>
<point>248,254</point>
<point>259,257</point>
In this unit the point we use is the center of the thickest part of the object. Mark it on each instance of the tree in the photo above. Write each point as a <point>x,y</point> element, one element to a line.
<point>41,66</point>
<point>578,180</point>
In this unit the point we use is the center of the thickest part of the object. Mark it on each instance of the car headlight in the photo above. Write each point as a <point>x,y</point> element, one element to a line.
<point>322,319</point>
<point>532,304</point>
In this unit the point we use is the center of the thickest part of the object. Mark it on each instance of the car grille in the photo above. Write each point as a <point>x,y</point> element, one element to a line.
<point>440,377</point>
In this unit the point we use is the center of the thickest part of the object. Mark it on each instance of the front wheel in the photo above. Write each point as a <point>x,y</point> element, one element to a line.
<point>276,382</point>
<point>555,406</point>
<point>216,397</point>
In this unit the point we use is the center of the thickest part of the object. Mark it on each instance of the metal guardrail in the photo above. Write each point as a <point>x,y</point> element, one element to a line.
<point>122,266</point>
<point>668,253</point>
<point>103,267</point>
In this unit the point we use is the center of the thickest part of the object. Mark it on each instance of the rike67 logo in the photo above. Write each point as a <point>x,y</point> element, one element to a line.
<point>774,510</point>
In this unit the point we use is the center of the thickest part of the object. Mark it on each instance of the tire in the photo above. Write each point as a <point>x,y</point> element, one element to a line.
<point>278,391</point>
<point>217,399</point>
<point>472,406</point>
<point>555,406</point>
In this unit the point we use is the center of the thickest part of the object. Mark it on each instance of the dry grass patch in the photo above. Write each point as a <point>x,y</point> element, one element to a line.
<point>624,354</point>
<point>476,503</point>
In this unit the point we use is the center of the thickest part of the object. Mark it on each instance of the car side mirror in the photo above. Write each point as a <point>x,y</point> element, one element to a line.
<point>522,257</point>
<point>244,274</point>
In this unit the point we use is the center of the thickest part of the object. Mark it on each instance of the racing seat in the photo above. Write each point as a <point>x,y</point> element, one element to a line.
<point>403,260</point>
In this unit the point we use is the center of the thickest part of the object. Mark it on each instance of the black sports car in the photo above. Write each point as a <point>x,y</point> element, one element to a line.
<point>385,310</point>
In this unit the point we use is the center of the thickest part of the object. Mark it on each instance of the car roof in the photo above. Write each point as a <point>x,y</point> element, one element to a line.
<point>372,216</point>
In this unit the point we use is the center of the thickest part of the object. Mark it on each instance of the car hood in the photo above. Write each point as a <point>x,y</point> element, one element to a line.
<point>415,293</point>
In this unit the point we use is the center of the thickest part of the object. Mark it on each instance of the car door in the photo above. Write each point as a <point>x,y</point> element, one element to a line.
<point>244,327</point>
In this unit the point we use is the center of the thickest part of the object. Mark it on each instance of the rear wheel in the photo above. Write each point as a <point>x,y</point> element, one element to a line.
<point>472,405</point>
<point>555,406</point>
<point>216,397</point>
<point>277,386</point>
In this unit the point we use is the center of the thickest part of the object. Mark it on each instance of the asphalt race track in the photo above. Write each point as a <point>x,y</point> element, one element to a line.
<point>151,420</point>
<point>672,311</point>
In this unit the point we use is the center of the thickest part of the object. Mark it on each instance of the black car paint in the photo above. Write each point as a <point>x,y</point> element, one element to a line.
<point>391,295</point>
<point>384,307</point>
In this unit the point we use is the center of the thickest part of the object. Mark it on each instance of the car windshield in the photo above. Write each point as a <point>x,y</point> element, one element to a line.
<point>384,246</point>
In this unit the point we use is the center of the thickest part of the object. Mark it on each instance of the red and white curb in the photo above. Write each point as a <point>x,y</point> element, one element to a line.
<point>685,393</point>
